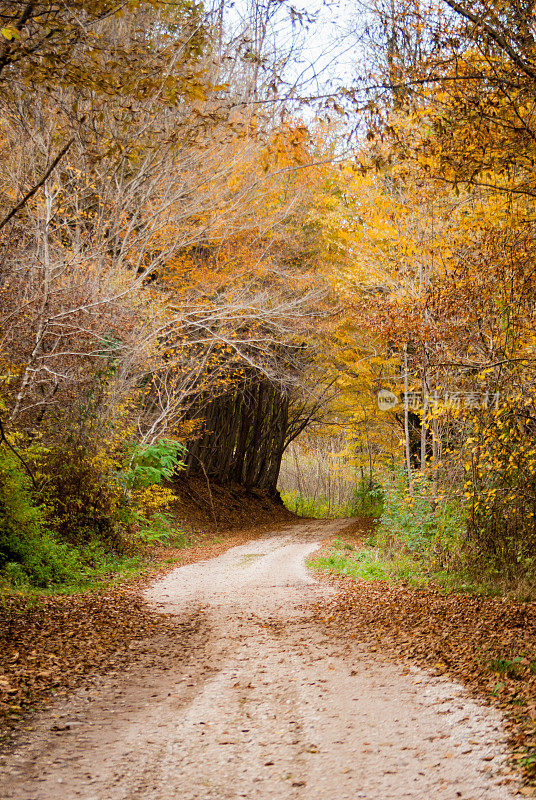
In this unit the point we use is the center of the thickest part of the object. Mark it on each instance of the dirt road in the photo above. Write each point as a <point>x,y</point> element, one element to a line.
<point>260,704</point>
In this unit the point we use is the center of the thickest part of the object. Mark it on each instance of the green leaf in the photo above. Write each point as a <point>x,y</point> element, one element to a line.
<point>10,32</point>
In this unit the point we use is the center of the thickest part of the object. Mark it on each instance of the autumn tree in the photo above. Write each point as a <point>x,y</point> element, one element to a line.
<point>447,277</point>
<point>260,330</point>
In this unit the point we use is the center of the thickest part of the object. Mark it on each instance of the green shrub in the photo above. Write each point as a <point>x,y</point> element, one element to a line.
<point>20,519</point>
<point>151,464</point>
<point>368,498</point>
<point>158,528</point>
<point>85,525</point>
<point>414,523</point>
<point>29,552</point>
<point>422,538</point>
<point>146,500</point>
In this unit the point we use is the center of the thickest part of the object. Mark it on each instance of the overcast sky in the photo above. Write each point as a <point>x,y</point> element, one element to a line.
<point>325,47</point>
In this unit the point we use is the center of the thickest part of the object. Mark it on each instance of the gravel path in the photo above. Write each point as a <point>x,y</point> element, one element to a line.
<point>260,704</point>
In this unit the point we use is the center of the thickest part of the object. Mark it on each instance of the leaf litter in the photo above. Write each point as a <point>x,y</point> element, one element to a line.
<point>50,644</point>
<point>486,643</point>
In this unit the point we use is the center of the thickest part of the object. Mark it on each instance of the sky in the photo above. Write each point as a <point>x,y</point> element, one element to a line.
<point>323,49</point>
<point>328,53</point>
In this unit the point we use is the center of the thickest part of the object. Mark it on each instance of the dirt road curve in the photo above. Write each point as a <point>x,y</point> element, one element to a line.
<point>259,704</point>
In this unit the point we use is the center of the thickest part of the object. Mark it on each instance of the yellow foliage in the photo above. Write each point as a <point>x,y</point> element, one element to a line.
<point>153,498</point>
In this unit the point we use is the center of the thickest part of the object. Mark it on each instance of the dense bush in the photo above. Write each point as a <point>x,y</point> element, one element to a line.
<point>500,484</point>
<point>83,521</point>
<point>29,552</point>
<point>81,498</point>
<point>415,523</point>
<point>418,538</point>
<point>368,498</point>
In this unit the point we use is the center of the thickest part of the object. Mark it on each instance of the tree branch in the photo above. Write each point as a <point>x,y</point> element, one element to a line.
<point>18,25</point>
<point>496,36</point>
<point>37,186</point>
<point>3,438</point>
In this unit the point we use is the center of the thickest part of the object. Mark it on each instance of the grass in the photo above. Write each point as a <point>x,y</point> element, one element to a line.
<point>315,507</point>
<point>366,563</point>
<point>351,565</point>
<point>513,668</point>
<point>369,563</point>
<point>102,570</point>
<point>112,572</point>
<point>318,507</point>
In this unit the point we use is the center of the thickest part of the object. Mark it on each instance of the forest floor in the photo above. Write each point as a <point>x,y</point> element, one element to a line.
<point>242,686</point>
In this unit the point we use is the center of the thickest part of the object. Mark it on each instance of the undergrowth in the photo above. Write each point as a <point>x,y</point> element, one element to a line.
<point>367,499</point>
<point>36,554</point>
<point>422,540</point>
<point>366,562</point>
<point>315,507</point>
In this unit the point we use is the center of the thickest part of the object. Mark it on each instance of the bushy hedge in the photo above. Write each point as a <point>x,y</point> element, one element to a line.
<point>88,517</point>
<point>30,553</point>
<point>417,523</point>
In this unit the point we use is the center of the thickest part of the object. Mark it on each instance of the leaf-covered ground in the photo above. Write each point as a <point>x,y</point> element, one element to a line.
<point>48,644</point>
<point>486,643</point>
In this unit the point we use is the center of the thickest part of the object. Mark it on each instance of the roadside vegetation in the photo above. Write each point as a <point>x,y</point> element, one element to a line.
<point>39,549</point>
<point>421,540</point>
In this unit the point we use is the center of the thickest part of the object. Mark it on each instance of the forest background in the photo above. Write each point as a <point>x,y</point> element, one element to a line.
<point>208,268</point>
